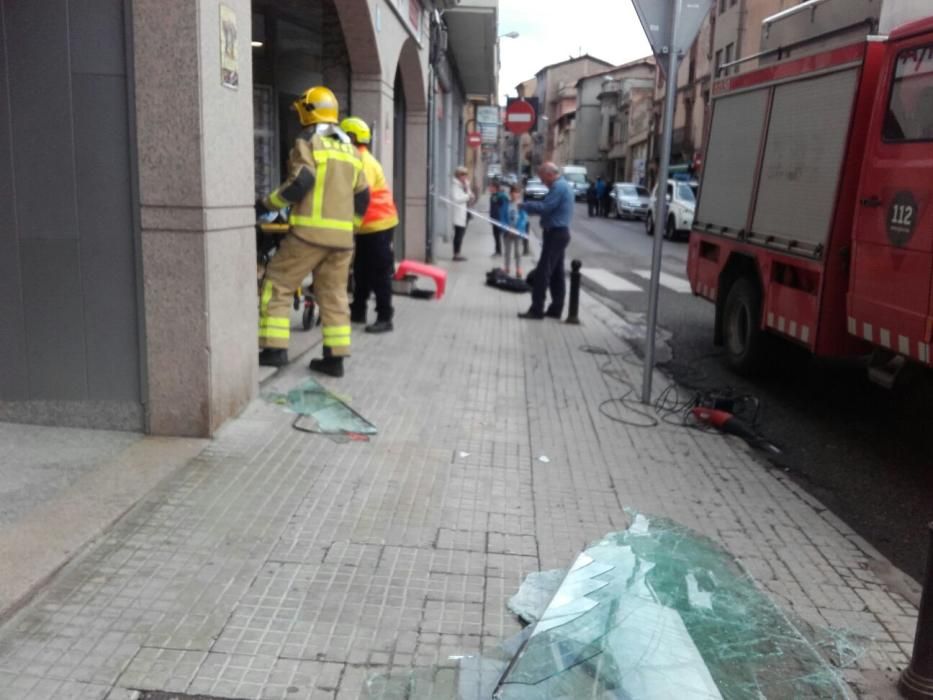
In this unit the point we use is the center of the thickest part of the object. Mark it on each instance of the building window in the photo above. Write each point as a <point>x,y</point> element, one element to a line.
<point>729,49</point>
<point>718,61</point>
<point>732,3</point>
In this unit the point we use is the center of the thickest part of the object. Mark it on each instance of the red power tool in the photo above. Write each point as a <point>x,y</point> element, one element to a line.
<point>725,422</point>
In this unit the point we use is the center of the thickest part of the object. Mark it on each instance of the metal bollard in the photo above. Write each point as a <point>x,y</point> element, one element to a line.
<point>917,680</point>
<point>575,278</point>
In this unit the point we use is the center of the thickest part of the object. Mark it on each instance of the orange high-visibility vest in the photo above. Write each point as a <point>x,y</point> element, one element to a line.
<point>381,214</point>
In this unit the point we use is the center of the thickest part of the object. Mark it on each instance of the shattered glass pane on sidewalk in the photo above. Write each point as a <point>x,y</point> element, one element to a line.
<point>535,593</point>
<point>659,612</point>
<point>322,411</point>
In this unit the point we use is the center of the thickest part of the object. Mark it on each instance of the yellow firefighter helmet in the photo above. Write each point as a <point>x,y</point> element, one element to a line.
<point>317,106</point>
<point>357,128</point>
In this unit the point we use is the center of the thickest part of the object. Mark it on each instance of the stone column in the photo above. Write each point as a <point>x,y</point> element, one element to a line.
<point>195,162</point>
<point>416,143</point>
<point>372,99</point>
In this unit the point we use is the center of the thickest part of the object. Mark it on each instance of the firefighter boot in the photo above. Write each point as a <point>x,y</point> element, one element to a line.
<point>329,365</point>
<point>273,357</point>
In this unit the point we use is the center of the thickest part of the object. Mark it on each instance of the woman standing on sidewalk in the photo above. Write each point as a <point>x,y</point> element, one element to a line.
<point>462,196</point>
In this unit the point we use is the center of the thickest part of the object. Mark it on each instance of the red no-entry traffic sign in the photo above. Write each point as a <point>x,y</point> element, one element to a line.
<point>519,117</point>
<point>474,139</point>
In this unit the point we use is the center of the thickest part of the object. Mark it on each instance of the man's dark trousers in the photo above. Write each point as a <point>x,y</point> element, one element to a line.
<point>549,274</point>
<point>373,264</point>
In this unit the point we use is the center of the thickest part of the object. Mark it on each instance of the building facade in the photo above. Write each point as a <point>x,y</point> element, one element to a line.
<point>129,277</point>
<point>601,123</point>
<point>637,106</point>
<point>555,88</point>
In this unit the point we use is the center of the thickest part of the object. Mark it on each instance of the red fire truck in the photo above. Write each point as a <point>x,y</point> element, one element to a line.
<point>815,213</point>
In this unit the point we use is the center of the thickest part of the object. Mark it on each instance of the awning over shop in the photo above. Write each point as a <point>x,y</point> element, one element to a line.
<point>472,44</point>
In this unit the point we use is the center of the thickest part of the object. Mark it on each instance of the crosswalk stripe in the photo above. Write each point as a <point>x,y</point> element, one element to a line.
<point>676,284</point>
<point>609,281</point>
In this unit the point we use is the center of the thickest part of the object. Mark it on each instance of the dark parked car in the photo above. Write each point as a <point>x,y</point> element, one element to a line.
<point>630,201</point>
<point>535,189</point>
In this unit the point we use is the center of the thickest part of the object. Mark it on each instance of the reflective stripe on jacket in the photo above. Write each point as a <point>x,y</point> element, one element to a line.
<point>381,214</point>
<point>326,188</point>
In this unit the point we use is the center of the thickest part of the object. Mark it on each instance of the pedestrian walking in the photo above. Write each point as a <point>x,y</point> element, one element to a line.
<point>324,211</point>
<point>556,211</point>
<point>496,199</point>
<point>605,203</point>
<point>600,195</point>
<point>514,217</point>
<point>373,260</point>
<point>462,196</point>
<point>592,200</point>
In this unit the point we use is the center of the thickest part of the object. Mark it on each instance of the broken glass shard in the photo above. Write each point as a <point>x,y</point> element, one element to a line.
<point>322,411</point>
<point>659,611</point>
<point>535,593</point>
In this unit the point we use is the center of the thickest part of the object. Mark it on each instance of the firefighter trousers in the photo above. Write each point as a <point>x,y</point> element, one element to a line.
<point>291,262</point>
<point>373,265</point>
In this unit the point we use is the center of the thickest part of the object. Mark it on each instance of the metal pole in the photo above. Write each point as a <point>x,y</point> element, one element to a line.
<point>429,208</point>
<point>660,219</point>
<point>518,165</point>
<point>917,681</point>
<point>573,315</point>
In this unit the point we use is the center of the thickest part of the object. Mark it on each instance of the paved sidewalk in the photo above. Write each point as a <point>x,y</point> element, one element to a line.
<point>284,565</point>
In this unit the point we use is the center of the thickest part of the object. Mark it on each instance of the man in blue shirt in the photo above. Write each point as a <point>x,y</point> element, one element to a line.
<point>601,196</point>
<point>556,211</point>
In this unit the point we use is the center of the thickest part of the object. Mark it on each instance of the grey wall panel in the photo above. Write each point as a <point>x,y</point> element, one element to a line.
<point>54,319</point>
<point>803,157</point>
<point>729,170</point>
<point>13,385</point>
<point>96,28</point>
<point>106,224</point>
<point>40,92</point>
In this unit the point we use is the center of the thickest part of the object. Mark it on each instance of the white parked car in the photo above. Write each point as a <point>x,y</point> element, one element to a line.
<point>681,207</point>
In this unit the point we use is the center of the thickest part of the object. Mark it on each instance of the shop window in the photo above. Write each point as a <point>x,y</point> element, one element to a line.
<point>291,53</point>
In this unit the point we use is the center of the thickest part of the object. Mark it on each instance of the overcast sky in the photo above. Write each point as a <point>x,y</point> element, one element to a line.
<point>554,30</point>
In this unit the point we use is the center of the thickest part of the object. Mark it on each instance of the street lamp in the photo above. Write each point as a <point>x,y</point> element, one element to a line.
<point>510,35</point>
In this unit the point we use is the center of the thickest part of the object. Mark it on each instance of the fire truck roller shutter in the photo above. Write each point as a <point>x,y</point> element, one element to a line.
<point>803,157</point>
<point>729,171</point>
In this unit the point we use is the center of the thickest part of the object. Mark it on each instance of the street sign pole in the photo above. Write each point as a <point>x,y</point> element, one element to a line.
<point>671,27</point>
<point>660,219</point>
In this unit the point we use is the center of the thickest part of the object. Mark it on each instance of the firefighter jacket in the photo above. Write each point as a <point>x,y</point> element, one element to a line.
<point>326,188</point>
<point>381,214</point>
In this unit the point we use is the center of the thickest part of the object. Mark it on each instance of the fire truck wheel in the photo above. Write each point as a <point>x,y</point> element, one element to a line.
<point>745,342</point>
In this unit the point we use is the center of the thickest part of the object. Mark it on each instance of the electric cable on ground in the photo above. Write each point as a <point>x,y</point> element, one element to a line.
<point>671,406</point>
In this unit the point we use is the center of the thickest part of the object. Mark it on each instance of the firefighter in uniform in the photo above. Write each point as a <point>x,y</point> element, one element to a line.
<point>373,261</point>
<point>328,194</point>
